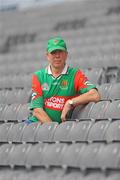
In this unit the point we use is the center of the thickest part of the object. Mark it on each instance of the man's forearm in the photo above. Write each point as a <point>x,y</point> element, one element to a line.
<point>41,115</point>
<point>91,96</point>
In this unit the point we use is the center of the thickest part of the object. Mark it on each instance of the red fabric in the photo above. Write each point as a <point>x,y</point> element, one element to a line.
<point>36,87</point>
<point>79,80</point>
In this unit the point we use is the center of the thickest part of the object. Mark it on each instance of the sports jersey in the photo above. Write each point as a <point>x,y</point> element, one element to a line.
<point>51,93</point>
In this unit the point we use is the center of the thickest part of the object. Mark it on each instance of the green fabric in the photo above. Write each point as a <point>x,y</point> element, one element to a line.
<point>56,43</point>
<point>55,90</point>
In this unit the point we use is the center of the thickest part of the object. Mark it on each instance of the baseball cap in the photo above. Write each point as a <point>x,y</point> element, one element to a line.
<point>56,43</point>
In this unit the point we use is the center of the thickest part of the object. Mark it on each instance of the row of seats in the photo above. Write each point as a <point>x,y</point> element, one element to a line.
<point>69,131</point>
<point>95,75</point>
<point>14,112</point>
<point>20,96</point>
<point>78,155</point>
<point>108,91</point>
<point>56,174</point>
<point>16,81</point>
<point>101,110</point>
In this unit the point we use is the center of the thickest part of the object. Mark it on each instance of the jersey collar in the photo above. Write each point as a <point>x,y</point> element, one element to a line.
<point>65,70</point>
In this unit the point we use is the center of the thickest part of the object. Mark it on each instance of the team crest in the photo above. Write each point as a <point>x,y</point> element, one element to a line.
<point>45,87</point>
<point>55,41</point>
<point>64,84</point>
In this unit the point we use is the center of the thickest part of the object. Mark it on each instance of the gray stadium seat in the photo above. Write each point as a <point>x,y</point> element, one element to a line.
<point>98,130</point>
<point>23,95</point>
<point>82,112</point>
<point>95,176</point>
<point>53,154</point>
<point>28,134</point>
<point>113,131</point>
<point>113,176</point>
<point>113,110</point>
<point>95,75</point>
<point>80,131</point>
<point>87,159</point>
<point>104,90</point>
<point>114,92</point>
<point>108,156</point>
<point>99,110</point>
<point>23,112</point>
<point>4,131</point>
<point>3,108</point>
<point>62,131</point>
<point>45,132</point>
<point>72,175</point>
<point>2,97</point>
<point>34,156</point>
<point>15,133</point>
<point>70,156</point>
<point>11,112</point>
<point>4,154</point>
<point>17,156</point>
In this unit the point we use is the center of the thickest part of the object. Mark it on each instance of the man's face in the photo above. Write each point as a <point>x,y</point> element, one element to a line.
<point>57,58</point>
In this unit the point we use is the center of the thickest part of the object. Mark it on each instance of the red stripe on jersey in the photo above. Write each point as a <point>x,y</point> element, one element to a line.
<point>79,80</point>
<point>36,87</point>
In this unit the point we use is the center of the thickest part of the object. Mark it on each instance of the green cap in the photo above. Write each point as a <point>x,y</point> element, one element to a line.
<point>56,43</point>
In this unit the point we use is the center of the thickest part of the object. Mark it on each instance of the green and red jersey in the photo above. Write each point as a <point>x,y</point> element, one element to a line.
<point>51,93</point>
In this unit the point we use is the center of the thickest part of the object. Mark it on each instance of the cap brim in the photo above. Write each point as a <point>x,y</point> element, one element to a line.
<point>56,48</point>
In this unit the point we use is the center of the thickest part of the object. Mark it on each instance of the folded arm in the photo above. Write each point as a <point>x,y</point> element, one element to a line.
<point>90,96</point>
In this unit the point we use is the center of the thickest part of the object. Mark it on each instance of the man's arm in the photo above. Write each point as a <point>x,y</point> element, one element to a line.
<point>41,115</point>
<point>90,96</point>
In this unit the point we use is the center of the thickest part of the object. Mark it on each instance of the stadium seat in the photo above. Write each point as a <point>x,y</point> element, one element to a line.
<point>113,131</point>
<point>99,109</point>
<point>45,132</point>
<point>98,130</point>
<point>18,154</point>
<point>3,108</point>
<point>5,149</point>
<point>70,156</point>
<point>72,175</point>
<point>113,176</point>
<point>34,156</point>
<point>15,132</point>
<point>11,112</point>
<point>113,110</point>
<point>23,112</point>
<point>29,132</point>
<point>114,93</point>
<point>79,132</point>
<point>87,159</point>
<point>4,131</point>
<point>62,131</point>
<point>104,90</point>
<point>94,176</point>
<point>108,156</point>
<point>53,154</point>
<point>82,112</point>
<point>95,75</point>
<point>23,96</point>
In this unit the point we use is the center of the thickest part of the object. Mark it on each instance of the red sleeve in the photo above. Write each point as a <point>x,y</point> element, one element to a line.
<point>79,80</point>
<point>36,87</point>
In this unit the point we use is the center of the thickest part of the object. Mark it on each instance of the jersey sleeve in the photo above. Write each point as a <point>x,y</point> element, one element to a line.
<point>37,96</point>
<point>81,83</point>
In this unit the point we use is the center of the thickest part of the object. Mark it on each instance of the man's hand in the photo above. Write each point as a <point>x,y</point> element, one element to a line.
<point>66,109</point>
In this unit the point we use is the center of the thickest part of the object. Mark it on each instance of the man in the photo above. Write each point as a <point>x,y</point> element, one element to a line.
<point>58,88</point>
